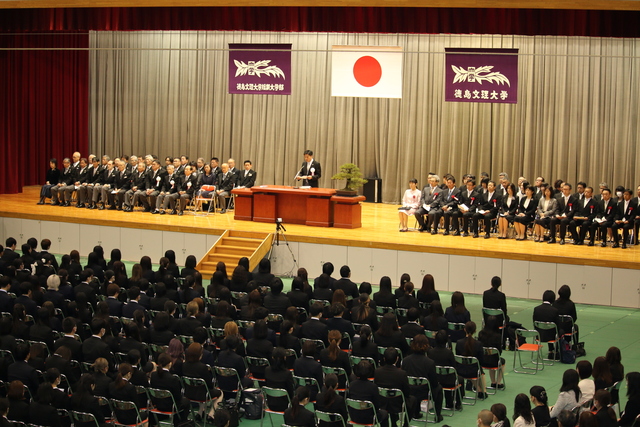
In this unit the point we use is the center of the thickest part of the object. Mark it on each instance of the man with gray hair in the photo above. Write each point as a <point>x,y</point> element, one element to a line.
<point>429,205</point>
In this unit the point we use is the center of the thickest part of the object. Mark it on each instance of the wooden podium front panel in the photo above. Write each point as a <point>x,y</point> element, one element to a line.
<point>347,211</point>
<point>243,203</point>
<point>291,207</point>
<point>318,211</point>
<point>264,207</point>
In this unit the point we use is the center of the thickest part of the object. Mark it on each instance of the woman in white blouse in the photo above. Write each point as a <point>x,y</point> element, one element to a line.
<point>410,204</point>
<point>522,416</point>
<point>546,210</point>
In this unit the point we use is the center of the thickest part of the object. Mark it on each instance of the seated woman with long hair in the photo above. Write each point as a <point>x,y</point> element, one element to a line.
<point>457,313</point>
<point>410,204</point>
<point>297,414</point>
<point>546,210</point>
<point>333,357</point>
<point>469,346</point>
<point>363,313</point>
<point>525,213</point>
<point>83,399</point>
<point>507,211</point>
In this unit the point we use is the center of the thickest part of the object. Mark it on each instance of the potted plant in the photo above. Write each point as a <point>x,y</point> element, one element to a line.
<point>352,174</point>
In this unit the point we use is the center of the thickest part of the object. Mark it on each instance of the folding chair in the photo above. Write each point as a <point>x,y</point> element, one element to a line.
<point>532,348</point>
<point>477,377</point>
<point>122,406</point>
<point>268,392</point>
<point>198,200</point>
<point>346,338</point>
<point>555,342</point>
<point>357,359</point>
<point>565,320</point>
<point>401,313</point>
<point>382,310</point>
<point>382,349</point>
<point>330,417</point>
<point>229,373</point>
<point>186,340</point>
<point>105,407</point>
<point>157,395</point>
<point>341,373</point>
<point>7,354</point>
<point>157,350</point>
<point>422,382</point>
<point>492,351</point>
<point>394,393</point>
<point>319,343</point>
<point>455,390</point>
<point>194,386</point>
<point>495,312</point>
<point>324,302</point>
<point>454,330</point>
<point>307,382</point>
<point>362,405</point>
<point>256,362</point>
<point>84,419</point>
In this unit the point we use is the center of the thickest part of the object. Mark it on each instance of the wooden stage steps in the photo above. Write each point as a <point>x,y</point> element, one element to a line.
<point>233,245</point>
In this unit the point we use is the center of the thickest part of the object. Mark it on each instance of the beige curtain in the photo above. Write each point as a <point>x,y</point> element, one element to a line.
<point>165,93</point>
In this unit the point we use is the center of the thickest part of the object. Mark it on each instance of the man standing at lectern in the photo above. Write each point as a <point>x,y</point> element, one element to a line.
<point>310,172</point>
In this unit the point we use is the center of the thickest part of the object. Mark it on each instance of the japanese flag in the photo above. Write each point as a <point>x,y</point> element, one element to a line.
<point>366,71</point>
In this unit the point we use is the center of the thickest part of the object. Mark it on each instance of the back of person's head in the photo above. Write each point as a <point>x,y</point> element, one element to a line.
<point>428,284</point>
<point>278,357</point>
<point>584,369</point>
<point>100,364</point>
<point>388,324</point>
<point>68,323</point>
<point>385,284</point>
<point>564,292</point>
<point>499,410</point>
<point>232,342</point>
<point>64,352</point>
<point>365,335</point>
<point>193,353</point>
<point>161,321</point>
<point>570,380</point>
<point>496,282</point>
<point>24,288</point>
<point>276,286</point>
<point>97,325</point>
<point>522,407</point>
<point>200,335</point>
<point>261,313</point>
<point>442,338</point>
<point>613,356</point>
<point>260,329</point>
<point>587,419</point>
<point>133,293</point>
<point>345,271</point>
<point>192,308</point>
<point>300,395</point>
<point>264,266</point>
<point>539,393</point>
<point>51,375</point>
<point>365,288</point>
<point>53,282</point>
<point>309,348</point>
<point>549,296</point>
<point>390,356</point>
<point>364,370</point>
<point>45,394</point>
<point>85,385</point>
<point>15,390</point>
<point>21,352</point>
<point>324,281</point>
<point>330,384</point>
<point>457,302</point>
<point>420,344</point>
<point>316,309</point>
<point>327,268</point>
<point>337,309</point>
<point>485,417</point>
<point>413,314</point>
<point>221,418</point>
<point>134,357</point>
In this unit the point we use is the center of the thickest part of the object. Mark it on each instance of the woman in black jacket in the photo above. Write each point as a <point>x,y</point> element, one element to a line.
<point>83,399</point>
<point>330,401</point>
<point>163,379</point>
<point>333,357</point>
<point>194,368</point>
<point>385,297</point>
<point>469,346</point>
<point>52,179</point>
<point>278,376</point>
<point>364,346</point>
<point>41,411</point>
<point>297,414</point>
<point>121,389</point>
<point>389,334</point>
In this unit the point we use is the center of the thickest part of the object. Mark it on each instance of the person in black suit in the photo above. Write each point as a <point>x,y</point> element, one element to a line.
<point>18,404</point>
<point>169,184</point>
<point>412,327</point>
<point>337,322</point>
<point>297,414</point>
<point>607,211</point>
<point>194,368</point>
<point>53,176</point>
<point>333,357</point>
<point>120,185</point>
<point>139,184</point>
<point>494,298</point>
<point>189,187</point>
<point>468,204</point>
<point>163,380</point>
<point>121,389</point>
<point>42,411</point>
<point>627,212</point>
<point>525,213</point>
<point>449,207</point>
<point>26,293</point>
<point>60,360</point>
<point>390,376</point>
<point>226,182</point>
<point>327,268</point>
<point>155,183</point>
<point>585,213</point>
<point>67,178</point>
<point>632,407</point>
<point>331,402</point>
<point>278,376</point>
<point>567,204</point>
<point>134,303</point>
<point>488,210</point>
<point>417,364</point>
<point>275,301</point>
<point>20,370</point>
<point>307,367</point>
<point>6,301</point>
<point>115,305</point>
<point>190,323</point>
<point>69,339</point>
<point>81,180</point>
<point>310,171</point>
<point>9,253</point>
<point>345,283</point>
<point>228,358</point>
<point>314,328</point>
<point>83,399</point>
<point>363,389</point>
<point>469,346</point>
<point>389,335</point>
<point>247,177</point>
<point>429,205</point>
<point>259,346</point>
<point>546,312</point>
<point>94,347</point>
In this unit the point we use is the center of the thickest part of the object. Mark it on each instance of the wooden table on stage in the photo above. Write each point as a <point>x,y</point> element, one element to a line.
<point>309,206</point>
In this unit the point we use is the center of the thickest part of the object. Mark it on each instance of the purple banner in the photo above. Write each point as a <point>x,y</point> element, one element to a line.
<point>260,69</point>
<point>481,75</point>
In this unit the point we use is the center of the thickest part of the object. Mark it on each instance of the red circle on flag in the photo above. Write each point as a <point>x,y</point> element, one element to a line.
<point>367,71</point>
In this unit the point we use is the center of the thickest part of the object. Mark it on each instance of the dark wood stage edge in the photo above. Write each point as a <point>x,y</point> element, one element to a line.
<point>379,230</point>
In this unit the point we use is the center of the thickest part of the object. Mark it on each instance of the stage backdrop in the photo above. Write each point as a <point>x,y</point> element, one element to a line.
<point>166,93</point>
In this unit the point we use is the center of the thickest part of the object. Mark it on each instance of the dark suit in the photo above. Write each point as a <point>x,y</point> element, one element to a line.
<point>121,184</point>
<point>472,199</point>
<point>366,390</point>
<point>72,344</point>
<point>419,365</point>
<point>315,171</point>
<point>308,367</point>
<point>170,383</point>
<point>586,208</point>
<point>627,215</point>
<point>608,214</point>
<point>567,209</point>
<point>115,307</point>
<point>21,370</point>
<point>226,182</point>
<point>277,304</point>
<point>188,325</point>
<point>349,288</point>
<point>490,203</point>
<point>93,348</point>
<point>6,302</point>
<point>130,308</point>
<point>304,417</point>
<point>247,179</point>
<point>314,329</point>
<point>430,197</point>
<point>389,376</point>
<point>43,415</point>
<point>449,200</point>
<point>546,313</point>
<point>189,186</point>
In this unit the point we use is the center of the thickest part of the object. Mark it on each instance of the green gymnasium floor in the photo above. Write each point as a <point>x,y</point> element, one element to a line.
<point>600,328</point>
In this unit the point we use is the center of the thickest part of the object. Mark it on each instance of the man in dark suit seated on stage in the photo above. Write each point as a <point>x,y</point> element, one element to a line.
<point>467,208</point>
<point>155,177</point>
<point>121,184</point>
<point>488,210</point>
<point>67,178</point>
<point>604,220</point>
<point>139,183</point>
<point>429,204</point>
<point>189,187</point>
<point>583,217</point>
<point>247,177</point>
<point>82,178</point>
<point>226,182</point>
<point>627,212</point>
<point>546,312</point>
<point>449,203</point>
<point>107,182</point>
<point>566,210</point>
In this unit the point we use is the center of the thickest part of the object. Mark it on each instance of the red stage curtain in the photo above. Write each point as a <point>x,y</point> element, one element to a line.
<point>44,110</point>
<point>331,19</point>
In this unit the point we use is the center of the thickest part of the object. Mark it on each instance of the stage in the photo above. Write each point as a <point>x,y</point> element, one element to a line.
<point>376,246</point>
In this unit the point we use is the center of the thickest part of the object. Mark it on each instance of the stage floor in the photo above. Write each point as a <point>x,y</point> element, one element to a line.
<point>379,230</point>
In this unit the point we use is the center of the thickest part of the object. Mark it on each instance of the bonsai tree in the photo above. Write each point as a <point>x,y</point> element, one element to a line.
<point>352,174</point>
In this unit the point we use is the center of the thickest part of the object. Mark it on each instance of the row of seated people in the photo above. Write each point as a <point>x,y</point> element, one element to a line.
<point>142,181</point>
<point>539,207</point>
